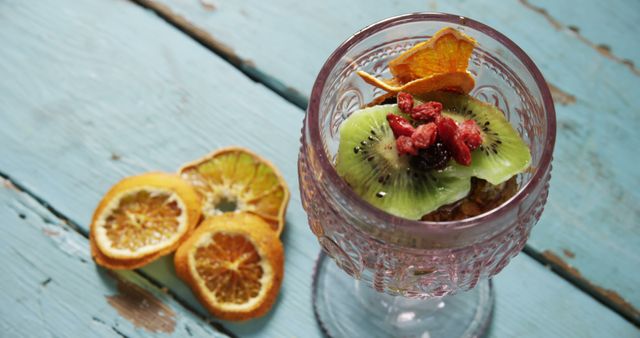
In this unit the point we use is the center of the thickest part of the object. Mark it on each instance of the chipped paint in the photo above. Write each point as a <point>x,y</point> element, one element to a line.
<point>568,253</point>
<point>603,50</point>
<point>115,157</point>
<point>560,96</point>
<point>50,232</point>
<point>8,184</point>
<point>608,296</point>
<point>208,5</point>
<point>142,308</point>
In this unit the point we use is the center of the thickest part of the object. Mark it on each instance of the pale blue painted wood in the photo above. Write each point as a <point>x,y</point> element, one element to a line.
<point>594,204</point>
<point>123,84</point>
<point>51,288</point>
<point>531,302</point>
<point>142,96</point>
<point>611,23</point>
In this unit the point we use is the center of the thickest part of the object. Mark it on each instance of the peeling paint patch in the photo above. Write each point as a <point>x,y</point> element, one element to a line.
<point>7,184</point>
<point>604,50</point>
<point>560,96</point>
<point>49,232</point>
<point>208,5</point>
<point>249,63</point>
<point>568,253</point>
<point>606,295</point>
<point>142,308</point>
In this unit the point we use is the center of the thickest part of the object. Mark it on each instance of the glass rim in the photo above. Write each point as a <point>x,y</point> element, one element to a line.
<point>428,226</point>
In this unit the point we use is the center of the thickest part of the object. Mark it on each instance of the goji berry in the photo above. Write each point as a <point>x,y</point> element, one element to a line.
<point>447,128</point>
<point>461,153</point>
<point>400,126</point>
<point>427,111</point>
<point>405,102</point>
<point>448,133</point>
<point>470,133</point>
<point>405,146</point>
<point>425,135</point>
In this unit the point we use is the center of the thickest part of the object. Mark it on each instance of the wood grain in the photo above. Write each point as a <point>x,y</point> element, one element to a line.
<point>611,28</point>
<point>594,204</point>
<point>101,90</point>
<point>50,286</point>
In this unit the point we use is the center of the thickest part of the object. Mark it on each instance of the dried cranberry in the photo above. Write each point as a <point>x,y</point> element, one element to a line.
<point>427,111</point>
<point>470,133</point>
<point>405,102</point>
<point>425,135</point>
<point>400,126</point>
<point>405,146</point>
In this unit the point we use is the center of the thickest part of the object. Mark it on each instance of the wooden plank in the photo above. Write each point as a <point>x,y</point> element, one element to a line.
<point>589,229</point>
<point>531,302</point>
<point>136,101</point>
<point>50,287</point>
<point>611,27</point>
<point>123,93</point>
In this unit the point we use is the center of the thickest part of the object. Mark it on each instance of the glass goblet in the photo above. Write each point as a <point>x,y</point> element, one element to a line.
<point>405,278</point>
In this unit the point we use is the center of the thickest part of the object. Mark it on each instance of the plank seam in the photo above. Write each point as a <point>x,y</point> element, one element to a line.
<point>205,39</point>
<point>74,226</point>
<point>602,296</point>
<point>603,50</point>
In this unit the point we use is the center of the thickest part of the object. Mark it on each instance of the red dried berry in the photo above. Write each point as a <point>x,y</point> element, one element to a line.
<point>405,146</point>
<point>425,135</point>
<point>427,111</point>
<point>405,102</point>
<point>448,133</point>
<point>447,128</point>
<point>461,153</point>
<point>470,133</point>
<point>400,126</point>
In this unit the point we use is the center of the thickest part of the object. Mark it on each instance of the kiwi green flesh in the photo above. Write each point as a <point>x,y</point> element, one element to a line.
<point>502,154</point>
<point>369,162</point>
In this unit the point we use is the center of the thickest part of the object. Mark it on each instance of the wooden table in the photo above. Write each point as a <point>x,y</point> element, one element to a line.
<point>95,90</point>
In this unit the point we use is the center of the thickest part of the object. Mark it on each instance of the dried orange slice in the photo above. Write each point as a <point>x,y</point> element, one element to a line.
<point>236,179</point>
<point>457,81</point>
<point>142,218</point>
<point>447,51</point>
<point>234,263</point>
<point>439,63</point>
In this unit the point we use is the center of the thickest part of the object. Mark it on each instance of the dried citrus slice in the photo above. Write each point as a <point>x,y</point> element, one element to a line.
<point>236,179</point>
<point>234,263</point>
<point>142,218</point>
<point>447,51</point>
<point>457,81</point>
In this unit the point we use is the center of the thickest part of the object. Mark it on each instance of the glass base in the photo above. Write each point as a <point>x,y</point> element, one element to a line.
<point>344,307</point>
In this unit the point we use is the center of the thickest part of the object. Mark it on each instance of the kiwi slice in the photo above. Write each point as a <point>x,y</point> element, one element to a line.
<point>502,154</point>
<point>369,162</point>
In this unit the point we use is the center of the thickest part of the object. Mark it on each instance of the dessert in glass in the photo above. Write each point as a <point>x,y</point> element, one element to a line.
<point>424,185</point>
